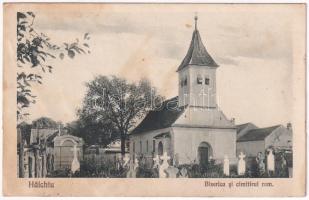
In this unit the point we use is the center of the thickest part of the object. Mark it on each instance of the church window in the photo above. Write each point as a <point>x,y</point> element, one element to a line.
<point>147,146</point>
<point>199,80</point>
<point>133,152</point>
<point>133,147</point>
<point>207,81</point>
<point>153,146</point>
<point>140,146</point>
<point>160,149</point>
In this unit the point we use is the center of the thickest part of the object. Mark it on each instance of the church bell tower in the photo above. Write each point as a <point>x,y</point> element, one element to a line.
<point>197,75</point>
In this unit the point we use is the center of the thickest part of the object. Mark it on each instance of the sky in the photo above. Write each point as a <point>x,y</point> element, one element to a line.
<point>252,44</point>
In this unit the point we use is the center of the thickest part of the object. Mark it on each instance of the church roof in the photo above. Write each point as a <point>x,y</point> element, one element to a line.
<point>197,54</point>
<point>162,118</point>
<point>257,134</point>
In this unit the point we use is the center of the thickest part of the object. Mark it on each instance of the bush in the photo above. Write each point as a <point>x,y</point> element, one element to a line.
<point>211,171</point>
<point>60,173</point>
<point>104,170</point>
<point>147,173</point>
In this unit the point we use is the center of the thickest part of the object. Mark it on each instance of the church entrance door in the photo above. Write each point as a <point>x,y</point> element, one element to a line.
<point>203,154</point>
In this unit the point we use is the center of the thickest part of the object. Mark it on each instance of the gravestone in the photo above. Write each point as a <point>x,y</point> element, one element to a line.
<point>270,162</point>
<point>283,168</point>
<point>75,166</point>
<point>172,172</point>
<point>156,160</point>
<point>260,161</point>
<point>164,166</point>
<point>183,173</point>
<point>290,172</point>
<point>136,164</point>
<point>130,171</point>
<point>226,166</point>
<point>241,168</point>
<point>176,160</point>
<point>132,168</point>
<point>126,160</point>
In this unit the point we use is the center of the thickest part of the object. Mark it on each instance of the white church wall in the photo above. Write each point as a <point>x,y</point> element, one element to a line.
<point>149,136</point>
<point>187,141</point>
<point>202,95</point>
<point>194,116</point>
<point>184,89</point>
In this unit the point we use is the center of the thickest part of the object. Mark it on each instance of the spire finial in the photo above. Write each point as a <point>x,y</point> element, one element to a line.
<point>195,18</point>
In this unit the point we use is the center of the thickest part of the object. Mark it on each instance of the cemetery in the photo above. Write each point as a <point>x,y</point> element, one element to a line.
<point>271,165</point>
<point>189,137</point>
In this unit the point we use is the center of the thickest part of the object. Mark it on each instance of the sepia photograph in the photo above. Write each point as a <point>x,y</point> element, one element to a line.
<point>211,92</point>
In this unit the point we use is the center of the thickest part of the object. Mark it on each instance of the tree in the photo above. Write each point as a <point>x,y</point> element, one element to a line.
<point>34,49</point>
<point>116,103</point>
<point>92,131</point>
<point>46,123</point>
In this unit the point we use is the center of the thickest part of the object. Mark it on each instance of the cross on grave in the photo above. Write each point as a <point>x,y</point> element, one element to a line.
<point>156,161</point>
<point>164,165</point>
<point>260,161</point>
<point>183,173</point>
<point>126,160</point>
<point>135,164</point>
<point>75,166</point>
<point>241,164</point>
<point>226,166</point>
<point>165,157</point>
<point>242,155</point>
<point>132,168</point>
<point>270,161</point>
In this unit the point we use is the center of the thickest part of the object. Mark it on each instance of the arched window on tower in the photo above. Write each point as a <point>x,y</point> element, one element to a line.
<point>183,81</point>
<point>207,81</point>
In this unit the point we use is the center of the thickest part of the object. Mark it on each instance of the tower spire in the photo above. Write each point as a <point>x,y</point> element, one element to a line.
<point>195,18</point>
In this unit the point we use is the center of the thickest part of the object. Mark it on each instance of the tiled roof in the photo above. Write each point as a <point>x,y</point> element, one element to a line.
<point>197,54</point>
<point>240,127</point>
<point>257,134</point>
<point>158,119</point>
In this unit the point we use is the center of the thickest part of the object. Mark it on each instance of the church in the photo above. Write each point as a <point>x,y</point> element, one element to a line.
<point>191,128</point>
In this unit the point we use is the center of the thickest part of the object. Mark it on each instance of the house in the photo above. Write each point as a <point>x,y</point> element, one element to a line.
<point>191,128</point>
<point>251,140</point>
<point>243,128</point>
<point>111,154</point>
